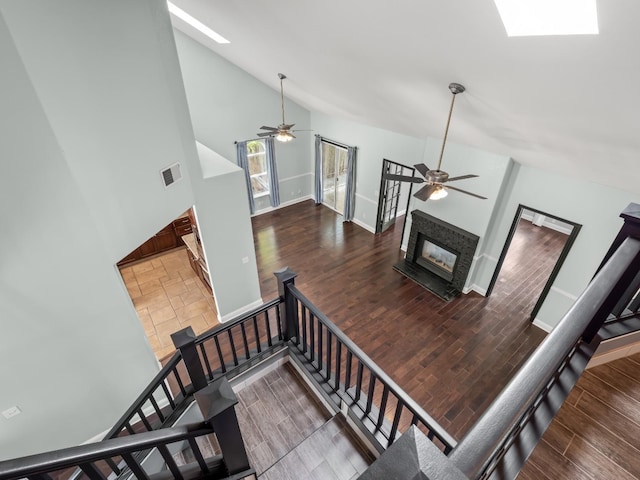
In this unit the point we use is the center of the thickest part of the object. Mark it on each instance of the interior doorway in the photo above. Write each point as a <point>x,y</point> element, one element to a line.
<point>169,284</point>
<point>536,247</point>
<point>334,176</point>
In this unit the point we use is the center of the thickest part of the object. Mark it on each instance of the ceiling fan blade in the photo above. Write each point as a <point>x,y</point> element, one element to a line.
<point>286,127</point>
<point>266,134</point>
<point>464,191</point>
<point>461,177</point>
<point>422,168</point>
<point>268,128</point>
<point>425,192</point>
<point>293,136</point>
<point>403,178</point>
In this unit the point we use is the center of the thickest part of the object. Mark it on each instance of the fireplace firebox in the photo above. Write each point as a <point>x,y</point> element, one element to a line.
<point>435,258</point>
<point>439,255</point>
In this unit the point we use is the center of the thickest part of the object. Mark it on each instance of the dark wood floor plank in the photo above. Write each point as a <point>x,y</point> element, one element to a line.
<point>611,375</point>
<point>627,367</point>
<point>558,436</point>
<point>610,443</point>
<point>556,466</point>
<point>590,459</point>
<point>625,428</point>
<point>614,398</point>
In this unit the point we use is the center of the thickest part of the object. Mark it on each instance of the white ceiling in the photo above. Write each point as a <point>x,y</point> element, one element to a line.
<point>564,104</point>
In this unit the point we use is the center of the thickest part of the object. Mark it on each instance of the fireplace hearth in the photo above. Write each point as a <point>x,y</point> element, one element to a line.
<point>439,255</point>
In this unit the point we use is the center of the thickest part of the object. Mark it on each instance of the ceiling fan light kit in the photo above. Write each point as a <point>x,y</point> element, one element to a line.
<point>282,132</point>
<point>436,180</point>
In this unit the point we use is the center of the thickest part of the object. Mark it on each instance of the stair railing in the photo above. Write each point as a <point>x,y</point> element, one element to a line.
<point>347,378</point>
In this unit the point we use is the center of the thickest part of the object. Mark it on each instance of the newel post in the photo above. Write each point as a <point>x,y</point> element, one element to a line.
<point>288,310</point>
<point>185,341</point>
<point>630,228</point>
<point>216,403</point>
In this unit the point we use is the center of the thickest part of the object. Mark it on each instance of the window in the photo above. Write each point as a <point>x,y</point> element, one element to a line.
<point>258,172</point>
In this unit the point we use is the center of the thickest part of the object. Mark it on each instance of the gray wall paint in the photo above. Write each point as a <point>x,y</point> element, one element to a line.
<point>227,104</point>
<point>91,112</point>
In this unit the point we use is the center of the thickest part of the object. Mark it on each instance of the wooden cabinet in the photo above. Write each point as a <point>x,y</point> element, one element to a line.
<point>166,239</point>
<point>181,227</point>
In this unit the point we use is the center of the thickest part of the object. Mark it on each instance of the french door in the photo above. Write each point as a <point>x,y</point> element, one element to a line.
<point>334,176</point>
<point>389,196</point>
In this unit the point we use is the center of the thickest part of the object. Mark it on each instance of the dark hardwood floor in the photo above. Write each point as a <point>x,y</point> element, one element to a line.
<point>596,434</point>
<point>454,358</point>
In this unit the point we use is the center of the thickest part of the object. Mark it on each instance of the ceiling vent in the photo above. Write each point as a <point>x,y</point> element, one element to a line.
<point>171,175</point>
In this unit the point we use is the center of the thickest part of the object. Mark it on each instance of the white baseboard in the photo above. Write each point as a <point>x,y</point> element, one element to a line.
<point>565,229</point>
<point>544,326</point>
<point>475,288</point>
<point>240,311</point>
<point>283,204</point>
<point>364,225</point>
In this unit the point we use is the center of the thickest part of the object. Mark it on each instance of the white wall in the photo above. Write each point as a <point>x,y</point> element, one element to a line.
<point>225,224</point>
<point>91,109</point>
<point>227,104</point>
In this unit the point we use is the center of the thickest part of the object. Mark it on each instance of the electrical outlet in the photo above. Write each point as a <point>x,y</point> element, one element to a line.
<point>245,259</point>
<point>11,412</point>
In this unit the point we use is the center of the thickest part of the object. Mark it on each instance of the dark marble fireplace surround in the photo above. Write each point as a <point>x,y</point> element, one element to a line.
<point>447,236</point>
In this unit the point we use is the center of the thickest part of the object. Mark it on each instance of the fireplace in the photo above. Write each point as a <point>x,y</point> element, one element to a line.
<point>435,258</point>
<point>439,255</point>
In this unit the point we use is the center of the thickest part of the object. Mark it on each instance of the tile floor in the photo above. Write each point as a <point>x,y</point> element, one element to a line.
<point>168,296</point>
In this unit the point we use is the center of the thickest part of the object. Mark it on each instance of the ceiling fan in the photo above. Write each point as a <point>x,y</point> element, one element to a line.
<point>283,131</point>
<point>436,180</point>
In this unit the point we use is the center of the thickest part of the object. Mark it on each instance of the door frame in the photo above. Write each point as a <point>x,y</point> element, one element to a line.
<point>382,196</point>
<point>556,268</point>
<point>322,179</point>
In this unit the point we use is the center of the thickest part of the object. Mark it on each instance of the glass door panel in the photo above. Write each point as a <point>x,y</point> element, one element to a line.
<point>334,176</point>
<point>341,179</point>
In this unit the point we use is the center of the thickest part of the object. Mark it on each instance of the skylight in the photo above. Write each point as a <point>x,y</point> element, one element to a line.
<point>548,17</point>
<point>197,24</point>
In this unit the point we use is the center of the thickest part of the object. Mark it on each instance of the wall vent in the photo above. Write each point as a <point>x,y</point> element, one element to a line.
<point>171,175</point>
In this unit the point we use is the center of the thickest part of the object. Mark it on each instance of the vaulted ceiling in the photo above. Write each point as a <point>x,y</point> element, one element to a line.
<point>568,105</point>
